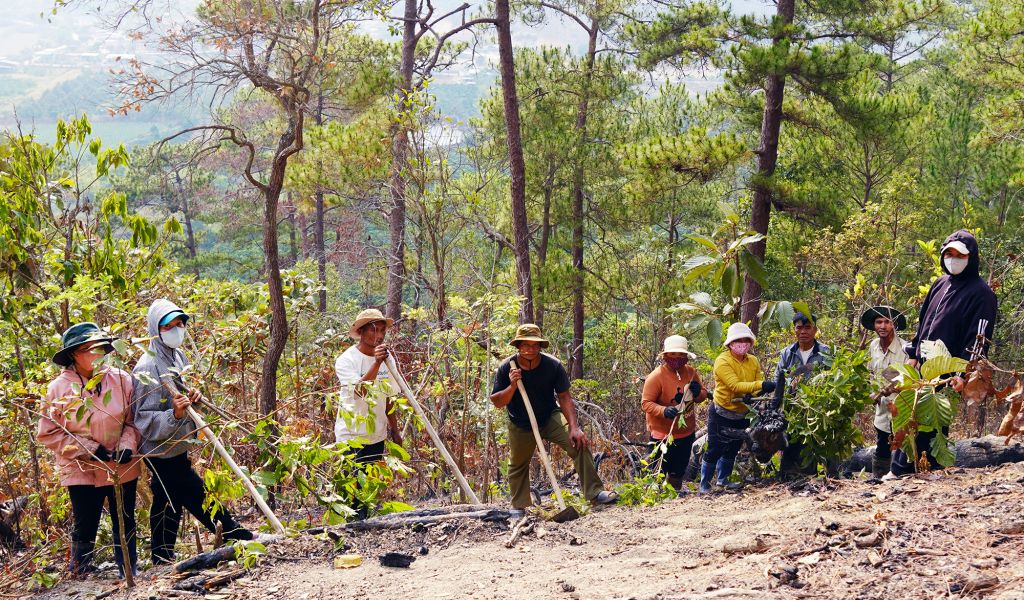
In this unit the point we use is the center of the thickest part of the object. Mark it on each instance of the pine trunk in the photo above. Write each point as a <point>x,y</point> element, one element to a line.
<point>767,157</point>
<point>516,164</point>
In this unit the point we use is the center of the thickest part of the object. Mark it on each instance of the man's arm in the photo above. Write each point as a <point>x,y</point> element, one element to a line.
<point>505,386</point>
<point>576,436</point>
<point>392,411</point>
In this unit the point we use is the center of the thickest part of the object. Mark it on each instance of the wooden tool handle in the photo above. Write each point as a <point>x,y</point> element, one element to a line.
<point>540,442</point>
<point>404,386</point>
<point>222,451</point>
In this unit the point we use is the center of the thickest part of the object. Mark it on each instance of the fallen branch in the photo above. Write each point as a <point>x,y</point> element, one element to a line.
<point>523,527</point>
<point>410,521</point>
<point>206,560</point>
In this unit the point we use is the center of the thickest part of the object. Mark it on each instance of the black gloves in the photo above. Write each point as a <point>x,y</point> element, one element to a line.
<point>123,456</point>
<point>695,388</point>
<point>102,454</point>
<point>678,397</point>
<point>767,386</point>
<point>671,412</point>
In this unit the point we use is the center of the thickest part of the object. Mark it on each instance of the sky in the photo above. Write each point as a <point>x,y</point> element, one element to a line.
<point>51,48</point>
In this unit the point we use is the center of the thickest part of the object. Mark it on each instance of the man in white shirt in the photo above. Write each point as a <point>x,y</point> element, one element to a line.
<point>885,350</point>
<point>366,411</point>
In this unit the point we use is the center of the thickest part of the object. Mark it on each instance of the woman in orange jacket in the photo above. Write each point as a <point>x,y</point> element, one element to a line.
<point>668,420</point>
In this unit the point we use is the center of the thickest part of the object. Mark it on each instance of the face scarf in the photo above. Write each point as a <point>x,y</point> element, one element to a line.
<point>740,349</point>
<point>955,266</point>
<point>173,337</point>
<point>676,363</point>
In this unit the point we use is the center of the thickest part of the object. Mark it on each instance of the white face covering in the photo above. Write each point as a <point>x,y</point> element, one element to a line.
<point>173,337</point>
<point>955,266</point>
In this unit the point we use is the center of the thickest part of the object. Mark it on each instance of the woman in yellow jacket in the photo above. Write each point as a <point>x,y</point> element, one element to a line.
<point>737,373</point>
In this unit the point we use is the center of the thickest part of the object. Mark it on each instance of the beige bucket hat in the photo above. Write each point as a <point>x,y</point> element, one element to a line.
<point>370,315</point>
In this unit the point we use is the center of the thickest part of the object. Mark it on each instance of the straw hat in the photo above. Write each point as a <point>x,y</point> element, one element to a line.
<point>738,331</point>
<point>370,315</point>
<point>677,343</point>
<point>528,332</point>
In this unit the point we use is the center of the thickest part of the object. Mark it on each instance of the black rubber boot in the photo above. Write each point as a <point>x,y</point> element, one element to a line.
<point>234,531</point>
<point>81,558</point>
<point>879,468</point>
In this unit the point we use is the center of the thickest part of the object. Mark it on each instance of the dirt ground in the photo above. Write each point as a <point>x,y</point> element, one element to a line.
<point>957,534</point>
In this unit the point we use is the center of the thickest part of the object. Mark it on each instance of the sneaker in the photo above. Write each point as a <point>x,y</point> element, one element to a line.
<point>731,486</point>
<point>517,513</point>
<point>890,476</point>
<point>605,497</point>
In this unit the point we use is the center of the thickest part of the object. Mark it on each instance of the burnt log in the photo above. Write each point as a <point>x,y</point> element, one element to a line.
<point>971,453</point>
<point>10,514</point>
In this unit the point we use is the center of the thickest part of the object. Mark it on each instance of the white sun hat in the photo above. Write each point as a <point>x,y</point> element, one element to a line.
<point>738,331</point>
<point>677,343</point>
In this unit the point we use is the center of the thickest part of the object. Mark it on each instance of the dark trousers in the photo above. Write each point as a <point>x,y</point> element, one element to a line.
<point>367,454</point>
<point>724,437</point>
<point>901,463</point>
<point>86,508</point>
<point>677,456</point>
<point>177,487</point>
<point>370,453</point>
<point>883,448</point>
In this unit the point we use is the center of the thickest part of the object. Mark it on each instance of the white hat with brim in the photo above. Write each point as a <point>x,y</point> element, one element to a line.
<point>956,245</point>
<point>739,331</point>
<point>370,315</point>
<point>677,343</point>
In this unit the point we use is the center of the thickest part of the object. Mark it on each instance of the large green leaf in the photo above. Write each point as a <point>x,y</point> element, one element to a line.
<point>697,322</point>
<point>714,333</point>
<point>933,349</point>
<point>784,313</point>
<point>699,271</point>
<point>942,365</point>
<point>703,299</point>
<point>729,280</point>
<point>927,412</point>
<point>904,410</point>
<point>753,267</point>
<point>940,450</point>
<point>804,308</point>
<point>697,261</point>
<point>703,241</point>
<point>945,410</point>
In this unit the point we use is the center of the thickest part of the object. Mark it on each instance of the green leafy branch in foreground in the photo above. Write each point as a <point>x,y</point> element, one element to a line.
<point>925,403</point>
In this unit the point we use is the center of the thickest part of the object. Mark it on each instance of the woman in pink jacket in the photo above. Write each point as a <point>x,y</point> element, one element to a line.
<point>88,424</point>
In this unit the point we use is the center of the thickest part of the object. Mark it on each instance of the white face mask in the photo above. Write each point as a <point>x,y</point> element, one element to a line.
<point>955,266</point>
<point>174,337</point>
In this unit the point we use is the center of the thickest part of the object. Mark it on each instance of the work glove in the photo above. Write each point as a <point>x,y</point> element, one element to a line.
<point>671,412</point>
<point>102,454</point>
<point>767,386</point>
<point>678,397</point>
<point>123,457</point>
<point>695,388</point>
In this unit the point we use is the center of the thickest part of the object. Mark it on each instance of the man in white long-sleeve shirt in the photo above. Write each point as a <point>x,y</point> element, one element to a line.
<point>366,412</point>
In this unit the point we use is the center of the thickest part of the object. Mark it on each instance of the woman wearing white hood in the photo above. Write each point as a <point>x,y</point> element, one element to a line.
<point>167,433</point>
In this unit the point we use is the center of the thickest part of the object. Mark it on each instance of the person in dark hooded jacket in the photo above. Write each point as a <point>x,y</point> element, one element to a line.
<point>161,400</point>
<point>955,305</point>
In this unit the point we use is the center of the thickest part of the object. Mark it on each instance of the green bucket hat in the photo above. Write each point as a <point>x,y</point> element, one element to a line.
<point>77,335</point>
<point>528,332</point>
